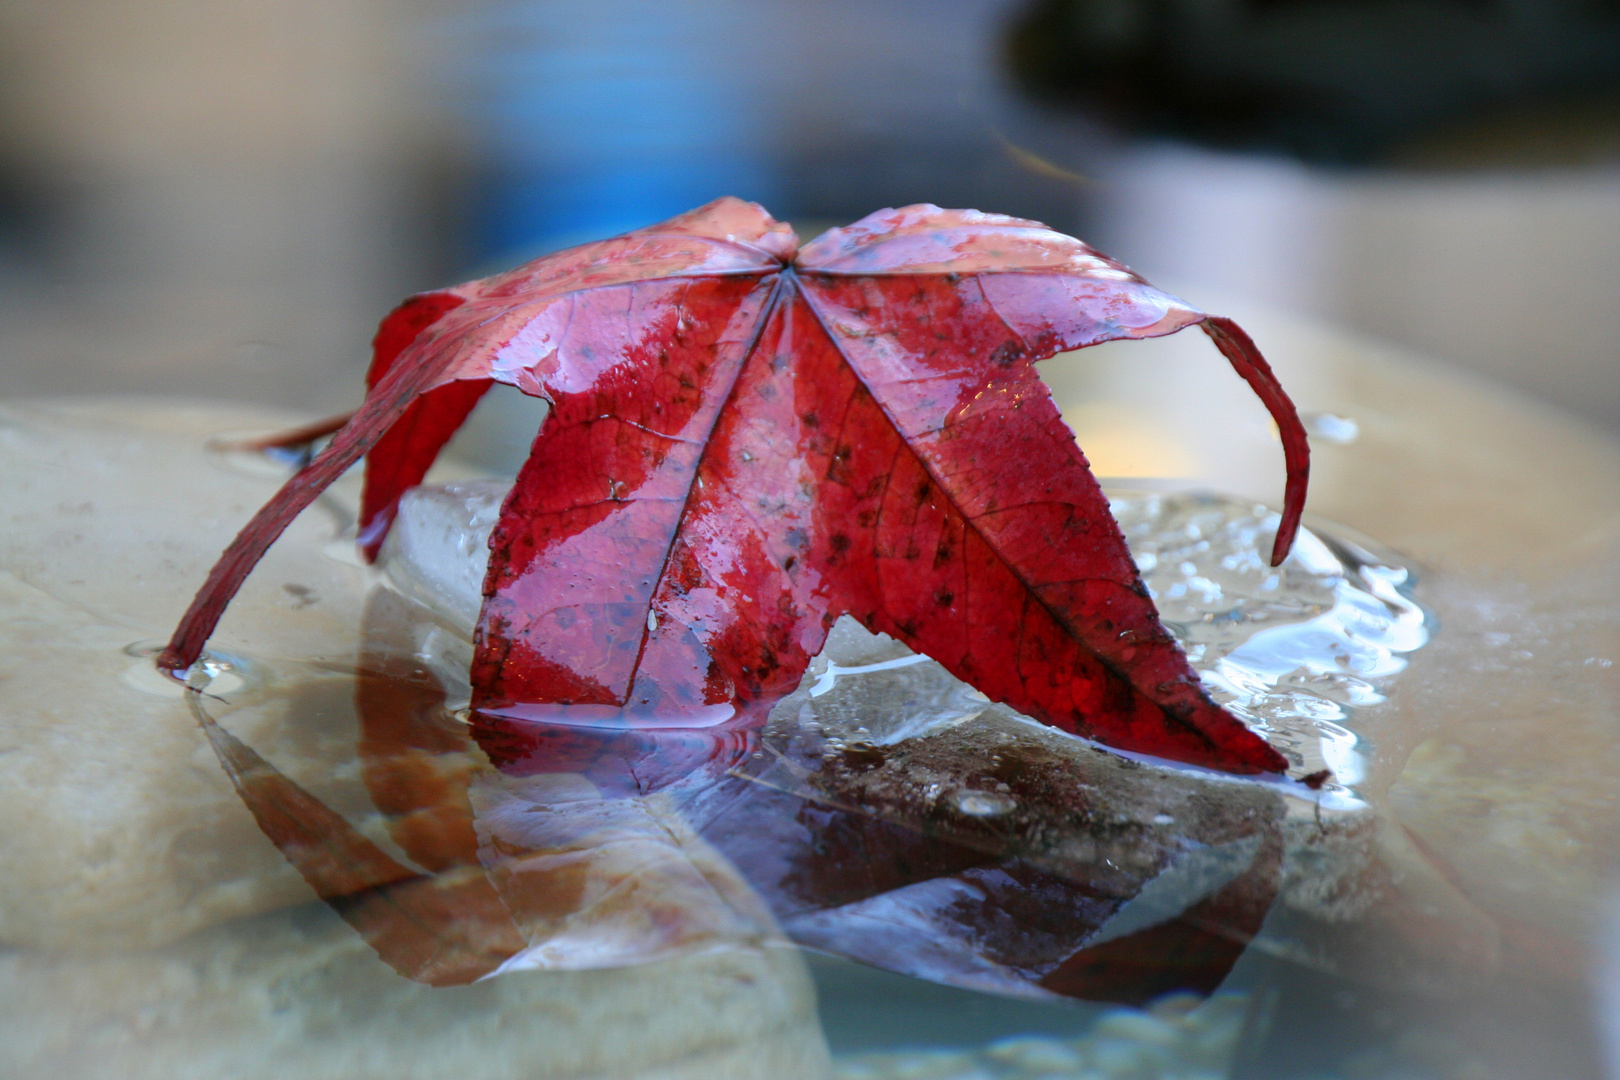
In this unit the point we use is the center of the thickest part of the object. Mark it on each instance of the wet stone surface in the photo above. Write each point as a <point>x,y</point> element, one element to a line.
<point>888,812</point>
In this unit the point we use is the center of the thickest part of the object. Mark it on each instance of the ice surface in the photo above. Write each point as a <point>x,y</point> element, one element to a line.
<point>438,549</point>
<point>1292,650</point>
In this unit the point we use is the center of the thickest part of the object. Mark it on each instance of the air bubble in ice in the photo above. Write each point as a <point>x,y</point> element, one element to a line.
<point>983,803</point>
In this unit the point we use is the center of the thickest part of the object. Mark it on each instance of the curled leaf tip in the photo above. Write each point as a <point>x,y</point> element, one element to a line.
<point>1244,355</point>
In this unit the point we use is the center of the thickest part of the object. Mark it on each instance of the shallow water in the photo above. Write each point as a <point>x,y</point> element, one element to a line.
<point>1434,911</point>
<point>1306,649</point>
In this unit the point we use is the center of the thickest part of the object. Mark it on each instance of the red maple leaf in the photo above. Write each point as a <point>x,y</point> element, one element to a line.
<point>748,440</point>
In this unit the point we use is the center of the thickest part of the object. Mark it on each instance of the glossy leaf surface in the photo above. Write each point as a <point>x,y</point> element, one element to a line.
<point>747,441</point>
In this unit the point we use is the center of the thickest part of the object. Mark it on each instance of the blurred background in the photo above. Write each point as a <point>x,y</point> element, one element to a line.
<point>222,198</point>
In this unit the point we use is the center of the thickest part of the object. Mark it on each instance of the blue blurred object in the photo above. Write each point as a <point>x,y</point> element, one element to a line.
<point>595,116</point>
<point>606,116</point>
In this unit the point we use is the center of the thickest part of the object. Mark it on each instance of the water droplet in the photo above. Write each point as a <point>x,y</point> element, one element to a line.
<point>213,673</point>
<point>983,803</point>
<point>1329,428</point>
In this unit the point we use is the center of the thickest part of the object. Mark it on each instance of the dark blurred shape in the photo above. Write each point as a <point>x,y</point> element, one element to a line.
<point>1342,82</point>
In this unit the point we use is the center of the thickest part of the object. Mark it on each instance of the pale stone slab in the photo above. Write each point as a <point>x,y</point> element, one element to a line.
<point>298,994</point>
<point>121,830</point>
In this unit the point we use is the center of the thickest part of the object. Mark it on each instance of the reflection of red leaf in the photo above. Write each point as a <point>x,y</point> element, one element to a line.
<point>443,929</point>
<point>747,441</point>
<point>1194,951</point>
<point>416,760</point>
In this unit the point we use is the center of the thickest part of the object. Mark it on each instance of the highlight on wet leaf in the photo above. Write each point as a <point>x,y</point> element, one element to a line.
<point>748,440</point>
